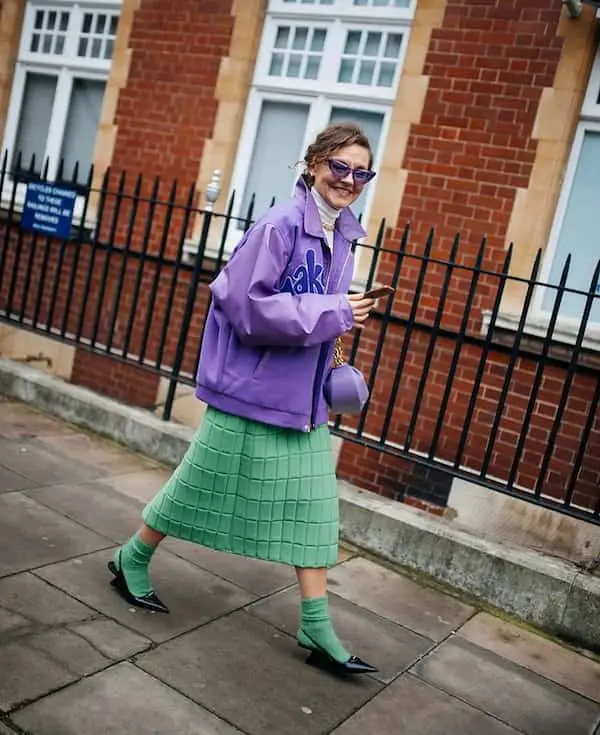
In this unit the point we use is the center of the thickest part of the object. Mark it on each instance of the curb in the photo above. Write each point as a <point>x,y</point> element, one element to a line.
<point>547,592</point>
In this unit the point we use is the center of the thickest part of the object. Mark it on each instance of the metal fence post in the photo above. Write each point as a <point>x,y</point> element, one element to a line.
<point>211,195</point>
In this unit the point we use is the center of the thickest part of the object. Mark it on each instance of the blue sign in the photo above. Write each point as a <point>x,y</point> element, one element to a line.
<point>48,209</point>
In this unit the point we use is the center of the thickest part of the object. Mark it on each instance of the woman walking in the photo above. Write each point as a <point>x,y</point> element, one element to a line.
<point>258,478</point>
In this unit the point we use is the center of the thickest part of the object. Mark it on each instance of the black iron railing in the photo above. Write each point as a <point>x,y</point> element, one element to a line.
<point>510,403</point>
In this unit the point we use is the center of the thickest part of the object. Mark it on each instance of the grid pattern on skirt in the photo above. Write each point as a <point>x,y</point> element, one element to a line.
<point>256,490</point>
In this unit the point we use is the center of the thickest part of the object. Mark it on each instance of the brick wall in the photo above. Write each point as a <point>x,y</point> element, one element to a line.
<point>473,148</point>
<point>164,116</point>
<point>168,108</point>
<point>487,67</point>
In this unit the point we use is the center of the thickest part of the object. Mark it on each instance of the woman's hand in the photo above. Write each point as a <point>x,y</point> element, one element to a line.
<point>361,308</point>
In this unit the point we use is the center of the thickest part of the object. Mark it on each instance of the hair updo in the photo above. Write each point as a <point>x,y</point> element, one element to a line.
<point>332,139</point>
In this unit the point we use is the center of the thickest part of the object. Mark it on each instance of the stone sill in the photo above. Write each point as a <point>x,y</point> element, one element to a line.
<point>534,335</point>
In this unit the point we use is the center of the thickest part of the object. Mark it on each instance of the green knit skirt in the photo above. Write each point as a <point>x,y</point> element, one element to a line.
<point>255,490</point>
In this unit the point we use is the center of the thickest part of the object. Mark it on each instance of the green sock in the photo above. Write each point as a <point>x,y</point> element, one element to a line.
<point>316,629</point>
<point>134,558</point>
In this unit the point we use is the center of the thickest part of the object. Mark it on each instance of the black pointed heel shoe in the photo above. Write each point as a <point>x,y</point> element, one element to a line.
<point>147,602</point>
<point>321,659</point>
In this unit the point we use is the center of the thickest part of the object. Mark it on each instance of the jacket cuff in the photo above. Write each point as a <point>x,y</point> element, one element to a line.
<point>347,321</point>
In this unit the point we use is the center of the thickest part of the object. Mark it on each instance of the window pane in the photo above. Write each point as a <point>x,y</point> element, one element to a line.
<point>100,23</point>
<point>318,40</point>
<point>297,52</point>
<point>293,68</point>
<point>379,54</point>
<point>373,44</point>
<point>352,42</point>
<point>386,74</point>
<point>312,67</point>
<point>283,36</point>
<point>578,233</point>
<point>82,127</point>
<point>34,120</point>
<point>365,75</point>
<point>382,3</point>
<point>346,71</point>
<point>393,46</point>
<point>371,123</point>
<point>278,144</point>
<point>300,37</point>
<point>276,65</point>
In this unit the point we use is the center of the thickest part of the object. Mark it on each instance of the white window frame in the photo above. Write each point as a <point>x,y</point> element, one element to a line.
<point>346,7</point>
<point>589,121</point>
<point>66,68</point>
<point>323,94</point>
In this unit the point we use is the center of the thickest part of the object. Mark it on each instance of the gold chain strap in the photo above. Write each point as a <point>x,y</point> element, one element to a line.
<point>338,355</point>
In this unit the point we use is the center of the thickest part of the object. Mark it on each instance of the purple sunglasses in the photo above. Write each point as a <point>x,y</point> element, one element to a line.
<point>340,170</point>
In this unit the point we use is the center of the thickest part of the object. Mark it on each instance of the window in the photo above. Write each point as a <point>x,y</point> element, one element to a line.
<point>577,220</point>
<point>320,61</point>
<point>64,60</point>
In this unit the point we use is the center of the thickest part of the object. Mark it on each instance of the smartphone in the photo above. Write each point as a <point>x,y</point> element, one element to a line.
<point>379,292</point>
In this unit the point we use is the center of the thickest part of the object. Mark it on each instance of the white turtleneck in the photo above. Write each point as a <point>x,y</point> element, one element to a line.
<point>328,215</point>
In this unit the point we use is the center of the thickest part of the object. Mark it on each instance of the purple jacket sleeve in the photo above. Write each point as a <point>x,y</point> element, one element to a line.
<point>247,291</point>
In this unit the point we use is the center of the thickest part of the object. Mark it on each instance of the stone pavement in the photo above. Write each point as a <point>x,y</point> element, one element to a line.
<point>76,659</point>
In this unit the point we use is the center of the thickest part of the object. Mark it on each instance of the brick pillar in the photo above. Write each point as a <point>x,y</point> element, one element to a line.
<point>473,148</point>
<point>164,115</point>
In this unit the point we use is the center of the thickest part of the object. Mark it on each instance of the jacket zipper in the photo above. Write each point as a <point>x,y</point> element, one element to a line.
<point>323,350</point>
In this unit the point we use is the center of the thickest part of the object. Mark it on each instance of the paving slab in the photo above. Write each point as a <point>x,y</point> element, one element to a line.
<point>43,466</point>
<point>257,576</point>
<point>255,677</point>
<point>94,505</point>
<point>67,648</point>
<point>26,674</point>
<point>32,535</point>
<point>521,698</point>
<point>11,481</point>
<point>10,622</point>
<point>117,516</point>
<point>413,707</point>
<point>36,601</point>
<point>5,730</point>
<point>421,609</point>
<point>22,422</point>
<point>549,659</point>
<point>141,486</point>
<point>103,453</point>
<point>117,701</point>
<point>193,595</point>
<point>111,639</point>
<point>390,647</point>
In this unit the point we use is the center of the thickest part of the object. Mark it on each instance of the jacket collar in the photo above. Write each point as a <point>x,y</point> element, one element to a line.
<point>347,223</point>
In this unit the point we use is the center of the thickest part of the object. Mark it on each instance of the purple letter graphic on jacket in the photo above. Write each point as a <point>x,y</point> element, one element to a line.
<point>307,278</point>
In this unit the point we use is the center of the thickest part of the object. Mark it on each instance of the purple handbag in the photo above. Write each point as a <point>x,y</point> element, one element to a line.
<point>345,388</point>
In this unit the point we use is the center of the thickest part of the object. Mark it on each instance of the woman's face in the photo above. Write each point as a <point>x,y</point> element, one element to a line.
<point>341,192</point>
